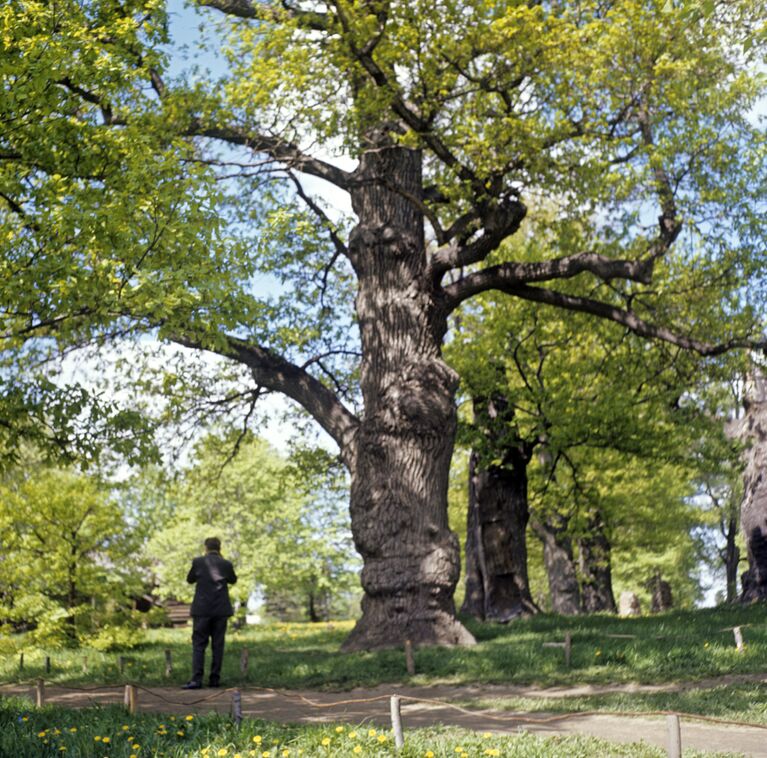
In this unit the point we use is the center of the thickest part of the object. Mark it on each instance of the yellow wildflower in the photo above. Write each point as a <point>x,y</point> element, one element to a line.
<point>257,739</point>
<point>339,729</point>
<point>357,749</point>
<point>372,732</point>
<point>189,717</point>
<point>222,751</point>
<point>325,742</point>
<point>352,735</point>
<point>492,751</point>
<point>105,740</point>
<point>382,738</point>
<point>180,733</point>
<point>97,738</point>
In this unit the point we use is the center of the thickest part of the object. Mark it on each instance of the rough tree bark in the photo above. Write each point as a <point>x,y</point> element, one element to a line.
<point>401,459</point>
<point>497,586</point>
<point>559,562</point>
<point>753,513</point>
<point>594,564</point>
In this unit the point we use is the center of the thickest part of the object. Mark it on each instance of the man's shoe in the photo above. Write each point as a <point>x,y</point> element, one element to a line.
<point>191,686</point>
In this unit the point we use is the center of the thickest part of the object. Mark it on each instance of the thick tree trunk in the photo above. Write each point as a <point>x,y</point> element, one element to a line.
<point>560,564</point>
<point>401,459</point>
<point>496,547</point>
<point>595,570</point>
<point>753,512</point>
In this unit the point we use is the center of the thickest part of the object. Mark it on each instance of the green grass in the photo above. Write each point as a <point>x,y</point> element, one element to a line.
<point>677,646</point>
<point>99,732</point>
<point>734,702</point>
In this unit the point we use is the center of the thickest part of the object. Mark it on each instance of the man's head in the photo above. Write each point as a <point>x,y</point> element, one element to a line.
<point>213,545</point>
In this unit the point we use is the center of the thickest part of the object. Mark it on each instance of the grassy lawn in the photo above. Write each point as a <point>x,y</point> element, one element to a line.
<point>108,732</point>
<point>677,646</point>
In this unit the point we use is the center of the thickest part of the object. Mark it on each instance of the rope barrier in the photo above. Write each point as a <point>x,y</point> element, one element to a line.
<point>409,699</point>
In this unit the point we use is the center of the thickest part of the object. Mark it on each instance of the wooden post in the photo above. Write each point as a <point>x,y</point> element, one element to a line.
<point>121,664</point>
<point>396,722</point>
<point>21,661</point>
<point>738,638</point>
<point>674,737</point>
<point>39,693</point>
<point>237,706</point>
<point>47,664</point>
<point>568,648</point>
<point>409,660</point>
<point>131,699</point>
<point>244,662</point>
<point>168,663</point>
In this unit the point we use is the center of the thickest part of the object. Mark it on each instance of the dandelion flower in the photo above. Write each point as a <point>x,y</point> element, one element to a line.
<point>125,727</point>
<point>97,738</point>
<point>352,735</point>
<point>180,733</point>
<point>73,729</point>
<point>357,749</point>
<point>429,754</point>
<point>382,738</point>
<point>105,740</point>
<point>492,751</point>
<point>257,739</point>
<point>325,742</point>
<point>339,729</point>
<point>372,732</point>
<point>222,751</point>
<point>189,717</point>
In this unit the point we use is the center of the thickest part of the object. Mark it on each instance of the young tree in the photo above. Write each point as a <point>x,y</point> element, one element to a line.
<point>284,529</point>
<point>67,549</point>
<point>631,115</point>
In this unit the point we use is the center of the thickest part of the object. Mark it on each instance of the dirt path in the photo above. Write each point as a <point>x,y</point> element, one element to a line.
<point>372,706</point>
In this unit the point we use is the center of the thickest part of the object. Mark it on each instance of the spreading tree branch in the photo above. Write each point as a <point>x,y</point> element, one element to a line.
<point>274,372</point>
<point>630,320</point>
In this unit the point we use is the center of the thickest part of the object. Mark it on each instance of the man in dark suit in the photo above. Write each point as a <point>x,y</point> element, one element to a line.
<point>210,611</point>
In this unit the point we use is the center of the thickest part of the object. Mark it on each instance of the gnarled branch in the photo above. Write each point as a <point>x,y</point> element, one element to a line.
<point>274,372</point>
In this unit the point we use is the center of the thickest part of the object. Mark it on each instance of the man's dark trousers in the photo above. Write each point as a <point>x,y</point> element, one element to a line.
<point>206,628</point>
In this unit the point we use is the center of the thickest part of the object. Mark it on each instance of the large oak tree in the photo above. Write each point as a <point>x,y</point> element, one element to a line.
<point>135,202</point>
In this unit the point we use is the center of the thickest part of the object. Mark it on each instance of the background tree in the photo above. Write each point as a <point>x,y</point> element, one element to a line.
<point>69,562</point>
<point>632,116</point>
<point>587,409</point>
<point>286,530</point>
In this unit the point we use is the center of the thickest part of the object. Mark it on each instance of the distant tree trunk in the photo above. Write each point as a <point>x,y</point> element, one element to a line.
<point>497,586</point>
<point>753,512</point>
<point>314,617</point>
<point>560,564</point>
<point>731,557</point>
<point>595,569</point>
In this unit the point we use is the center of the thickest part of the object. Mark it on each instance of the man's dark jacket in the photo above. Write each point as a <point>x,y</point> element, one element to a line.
<point>212,573</point>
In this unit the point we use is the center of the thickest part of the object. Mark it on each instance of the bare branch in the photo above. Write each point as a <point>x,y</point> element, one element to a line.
<point>250,10</point>
<point>280,150</point>
<point>274,372</point>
